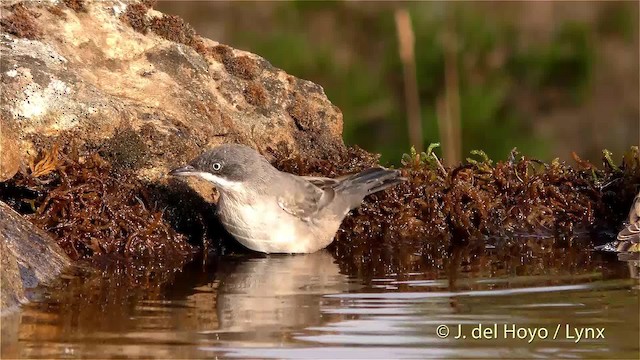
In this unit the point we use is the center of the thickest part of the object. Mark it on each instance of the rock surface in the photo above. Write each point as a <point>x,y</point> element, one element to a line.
<point>12,292</point>
<point>144,90</point>
<point>9,151</point>
<point>29,257</point>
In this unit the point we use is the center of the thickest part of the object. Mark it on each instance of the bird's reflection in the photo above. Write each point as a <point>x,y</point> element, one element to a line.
<point>263,297</point>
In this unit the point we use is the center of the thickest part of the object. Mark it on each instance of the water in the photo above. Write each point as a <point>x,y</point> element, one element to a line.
<point>317,306</point>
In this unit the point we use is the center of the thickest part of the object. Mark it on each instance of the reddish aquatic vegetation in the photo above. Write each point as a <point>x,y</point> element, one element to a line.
<point>90,210</point>
<point>93,211</point>
<point>437,208</point>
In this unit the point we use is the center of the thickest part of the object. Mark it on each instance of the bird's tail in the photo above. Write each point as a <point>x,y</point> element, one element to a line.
<point>368,182</point>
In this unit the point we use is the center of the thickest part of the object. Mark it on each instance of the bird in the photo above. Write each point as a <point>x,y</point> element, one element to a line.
<point>271,211</point>
<point>629,237</point>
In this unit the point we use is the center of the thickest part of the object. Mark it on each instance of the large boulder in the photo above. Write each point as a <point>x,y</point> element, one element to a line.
<point>29,257</point>
<point>144,90</point>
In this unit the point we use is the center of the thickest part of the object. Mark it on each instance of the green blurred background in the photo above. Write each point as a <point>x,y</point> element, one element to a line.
<point>546,77</point>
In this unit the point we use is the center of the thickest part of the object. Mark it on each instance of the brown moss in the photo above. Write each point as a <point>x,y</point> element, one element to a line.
<point>354,159</point>
<point>56,10</point>
<point>169,27</point>
<point>173,28</point>
<point>466,205</point>
<point>46,163</point>
<point>76,5</point>
<point>21,23</point>
<point>302,113</point>
<point>243,67</point>
<point>255,94</point>
<point>125,150</point>
<point>91,212</point>
<point>199,46</point>
<point>149,3</point>
<point>515,205</point>
<point>220,52</point>
<point>136,17</point>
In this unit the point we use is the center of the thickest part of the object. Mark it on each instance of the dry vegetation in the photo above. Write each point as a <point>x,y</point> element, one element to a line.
<point>90,210</point>
<point>479,203</point>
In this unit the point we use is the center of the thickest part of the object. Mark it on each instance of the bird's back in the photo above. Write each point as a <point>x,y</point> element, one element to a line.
<point>350,190</point>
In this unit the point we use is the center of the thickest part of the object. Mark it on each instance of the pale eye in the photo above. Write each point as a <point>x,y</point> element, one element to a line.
<point>217,166</point>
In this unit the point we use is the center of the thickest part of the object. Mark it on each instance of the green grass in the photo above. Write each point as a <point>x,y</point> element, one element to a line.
<point>494,71</point>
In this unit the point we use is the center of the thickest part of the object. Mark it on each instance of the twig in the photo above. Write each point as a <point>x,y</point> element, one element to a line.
<point>444,172</point>
<point>452,141</point>
<point>406,41</point>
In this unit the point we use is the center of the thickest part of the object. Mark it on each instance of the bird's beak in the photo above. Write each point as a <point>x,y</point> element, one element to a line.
<point>187,170</point>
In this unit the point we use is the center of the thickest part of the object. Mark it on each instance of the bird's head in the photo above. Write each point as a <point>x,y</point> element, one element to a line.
<point>227,166</point>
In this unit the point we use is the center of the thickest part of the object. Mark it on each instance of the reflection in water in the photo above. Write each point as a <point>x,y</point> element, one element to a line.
<point>262,298</point>
<point>307,305</point>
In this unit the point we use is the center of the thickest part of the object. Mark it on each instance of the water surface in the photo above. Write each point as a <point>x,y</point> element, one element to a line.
<point>313,306</point>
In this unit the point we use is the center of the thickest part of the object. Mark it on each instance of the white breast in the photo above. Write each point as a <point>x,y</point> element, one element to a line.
<point>263,226</point>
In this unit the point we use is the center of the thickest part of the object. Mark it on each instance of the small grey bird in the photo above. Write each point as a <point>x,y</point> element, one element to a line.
<point>629,237</point>
<point>271,211</point>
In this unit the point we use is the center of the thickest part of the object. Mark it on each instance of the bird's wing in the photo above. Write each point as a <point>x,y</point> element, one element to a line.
<point>306,200</point>
<point>321,182</point>
<point>630,233</point>
<point>629,237</point>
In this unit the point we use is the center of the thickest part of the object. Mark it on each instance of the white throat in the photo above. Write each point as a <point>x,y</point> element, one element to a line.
<point>222,183</point>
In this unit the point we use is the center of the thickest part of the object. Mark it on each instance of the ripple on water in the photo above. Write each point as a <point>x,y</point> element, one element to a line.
<point>306,307</point>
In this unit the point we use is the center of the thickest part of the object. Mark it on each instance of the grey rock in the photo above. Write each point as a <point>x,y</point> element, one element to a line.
<point>29,257</point>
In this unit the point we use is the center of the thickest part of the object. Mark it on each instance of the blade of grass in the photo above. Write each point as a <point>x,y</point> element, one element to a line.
<point>449,109</point>
<point>406,41</point>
